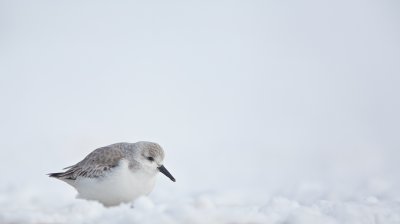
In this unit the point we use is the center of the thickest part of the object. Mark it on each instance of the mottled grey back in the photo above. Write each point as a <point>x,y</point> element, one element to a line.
<point>99,162</point>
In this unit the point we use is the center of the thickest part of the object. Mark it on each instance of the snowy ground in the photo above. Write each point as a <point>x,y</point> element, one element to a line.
<point>279,112</point>
<point>27,204</point>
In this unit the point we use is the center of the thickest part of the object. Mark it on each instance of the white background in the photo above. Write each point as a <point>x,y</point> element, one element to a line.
<point>262,98</point>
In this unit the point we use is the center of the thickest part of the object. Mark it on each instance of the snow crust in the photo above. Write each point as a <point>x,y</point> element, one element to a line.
<point>42,204</point>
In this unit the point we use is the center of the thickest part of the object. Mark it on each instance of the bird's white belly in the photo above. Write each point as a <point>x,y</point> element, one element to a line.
<point>120,185</point>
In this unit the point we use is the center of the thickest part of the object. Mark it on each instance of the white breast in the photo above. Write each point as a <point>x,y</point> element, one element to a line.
<point>118,186</point>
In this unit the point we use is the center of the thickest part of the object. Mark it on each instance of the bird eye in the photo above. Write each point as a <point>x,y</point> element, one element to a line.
<point>150,158</point>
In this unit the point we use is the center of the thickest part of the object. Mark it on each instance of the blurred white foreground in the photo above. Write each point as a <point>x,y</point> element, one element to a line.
<point>310,204</point>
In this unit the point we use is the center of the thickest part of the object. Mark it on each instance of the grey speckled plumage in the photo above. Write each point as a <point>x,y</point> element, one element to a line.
<point>116,173</point>
<point>103,159</point>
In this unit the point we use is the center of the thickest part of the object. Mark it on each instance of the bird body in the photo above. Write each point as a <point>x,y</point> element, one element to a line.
<point>120,186</point>
<point>117,173</point>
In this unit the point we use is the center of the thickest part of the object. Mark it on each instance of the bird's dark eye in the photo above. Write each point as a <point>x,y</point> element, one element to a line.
<point>150,158</point>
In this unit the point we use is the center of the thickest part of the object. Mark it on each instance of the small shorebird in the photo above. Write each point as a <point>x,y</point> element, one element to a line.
<point>118,173</point>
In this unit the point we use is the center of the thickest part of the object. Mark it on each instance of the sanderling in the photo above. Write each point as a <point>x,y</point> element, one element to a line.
<point>118,173</point>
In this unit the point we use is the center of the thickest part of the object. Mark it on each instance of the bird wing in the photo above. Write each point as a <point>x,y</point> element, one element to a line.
<point>96,164</point>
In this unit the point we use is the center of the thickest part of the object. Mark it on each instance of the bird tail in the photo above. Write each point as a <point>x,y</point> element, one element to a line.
<point>55,175</point>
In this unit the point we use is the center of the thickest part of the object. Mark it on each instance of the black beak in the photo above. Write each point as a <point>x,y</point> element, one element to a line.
<point>163,170</point>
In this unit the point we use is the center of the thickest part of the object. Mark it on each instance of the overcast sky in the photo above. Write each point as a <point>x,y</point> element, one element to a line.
<point>235,91</point>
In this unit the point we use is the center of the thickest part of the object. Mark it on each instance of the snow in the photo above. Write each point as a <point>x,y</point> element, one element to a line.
<point>25,205</point>
<point>269,111</point>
